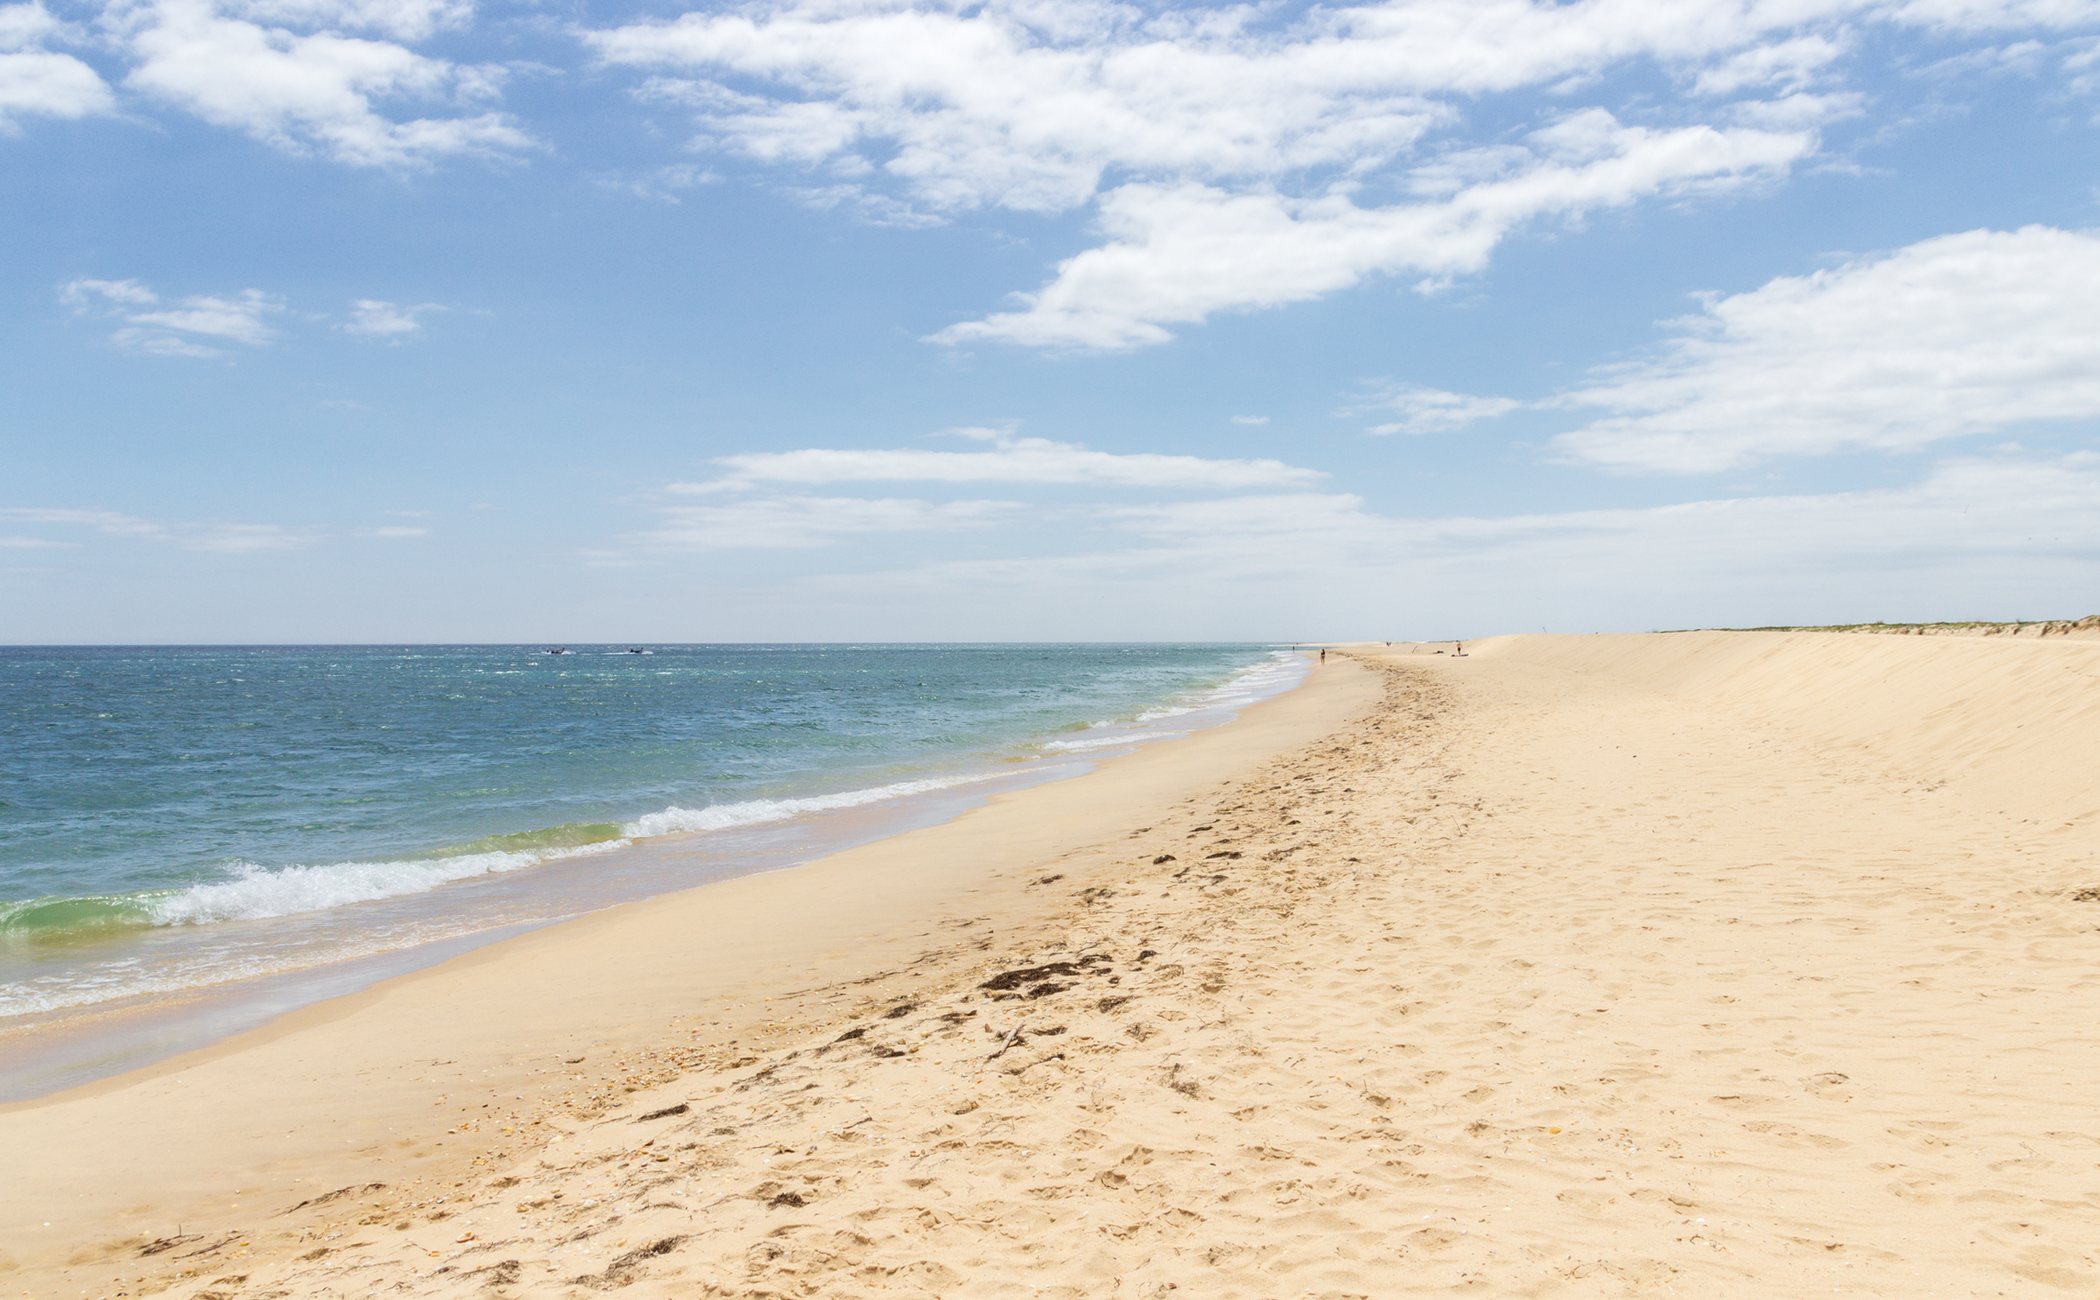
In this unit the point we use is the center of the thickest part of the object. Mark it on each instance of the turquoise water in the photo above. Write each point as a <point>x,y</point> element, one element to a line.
<point>180,818</point>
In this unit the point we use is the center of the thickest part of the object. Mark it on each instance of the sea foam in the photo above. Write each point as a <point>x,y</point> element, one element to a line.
<point>255,892</point>
<point>1105,742</point>
<point>757,812</point>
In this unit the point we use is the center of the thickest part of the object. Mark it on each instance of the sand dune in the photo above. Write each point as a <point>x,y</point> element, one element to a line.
<point>1696,964</point>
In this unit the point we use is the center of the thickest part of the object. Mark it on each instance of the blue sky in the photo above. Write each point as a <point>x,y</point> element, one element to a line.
<point>376,320</point>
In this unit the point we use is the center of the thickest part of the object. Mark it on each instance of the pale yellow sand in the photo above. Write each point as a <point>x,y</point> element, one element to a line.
<point>1704,964</point>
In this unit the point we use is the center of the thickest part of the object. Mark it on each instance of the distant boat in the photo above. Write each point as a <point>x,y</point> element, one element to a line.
<point>558,650</point>
<point>637,650</point>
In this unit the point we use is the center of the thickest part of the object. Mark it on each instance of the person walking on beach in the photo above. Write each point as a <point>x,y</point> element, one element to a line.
<point>1323,656</point>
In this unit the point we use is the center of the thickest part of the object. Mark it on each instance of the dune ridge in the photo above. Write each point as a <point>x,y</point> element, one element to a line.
<point>2087,626</point>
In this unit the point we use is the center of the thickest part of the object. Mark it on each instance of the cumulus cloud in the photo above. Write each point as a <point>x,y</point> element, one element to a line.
<point>407,20</point>
<point>36,81</point>
<point>1177,254</point>
<point>1012,106</point>
<point>1035,107</point>
<point>1966,334</point>
<point>1993,15</point>
<point>338,78</point>
<point>1981,333</point>
<point>1790,65</point>
<point>1228,154</point>
<point>213,536</point>
<point>292,74</point>
<point>1007,459</point>
<point>194,326</point>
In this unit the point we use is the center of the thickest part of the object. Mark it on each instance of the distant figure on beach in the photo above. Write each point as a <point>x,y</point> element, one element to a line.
<point>1323,656</point>
<point>1458,647</point>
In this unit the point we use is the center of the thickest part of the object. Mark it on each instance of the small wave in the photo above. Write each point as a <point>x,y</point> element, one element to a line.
<point>1167,711</point>
<point>1105,742</point>
<point>571,835</point>
<point>253,892</point>
<point>44,921</point>
<point>1253,682</point>
<point>757,812</point>
<point>256,892</point>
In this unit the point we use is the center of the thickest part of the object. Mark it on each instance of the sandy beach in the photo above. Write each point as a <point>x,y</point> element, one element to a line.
<point>1696,964</point>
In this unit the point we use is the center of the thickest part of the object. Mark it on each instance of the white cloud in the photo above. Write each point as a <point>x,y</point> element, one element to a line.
<point>1012,106</point>
<point>761,500</point>
<point>39,82</point>
<point>408,20</point>
<point>388,322</point>
<point>188,327</point>
<point>1176,254</point>
<point>1994,535</point>
<point>2007,506</point>
<point>1429,410</point>
<point>190,535</point>
<point>91,295</point>
<point>665,184</point>
<point>1798,111</point>
<point>1228,152</point>
<point>1961,335</point>
<point>1250,419</point>
<point>318,90</point>
<point>25,25</point>
<point>153,343</point>
<point>1790,65</point>
<point>200,324</point>
<point>242,539</point>
<point>2002,536</point>
<point>1006,104</point>
<point>798,522</point>
<point>1995,15</point>
<point>239,318</point>
<point>872,209</point>
<point>397,532</point>
<point>1009,459</point>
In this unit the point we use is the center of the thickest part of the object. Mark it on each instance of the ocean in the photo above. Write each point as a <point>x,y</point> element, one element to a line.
<point>183,820</point>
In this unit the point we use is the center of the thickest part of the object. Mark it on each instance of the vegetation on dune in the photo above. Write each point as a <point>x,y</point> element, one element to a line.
<point>1984,627</point>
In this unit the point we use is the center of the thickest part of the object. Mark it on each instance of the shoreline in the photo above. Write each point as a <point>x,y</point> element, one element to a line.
<point>1709,963</point>
<point>508,1017</point>
<point>322,954</point>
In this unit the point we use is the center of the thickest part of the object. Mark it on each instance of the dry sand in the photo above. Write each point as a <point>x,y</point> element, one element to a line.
<point>1703,964</point>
